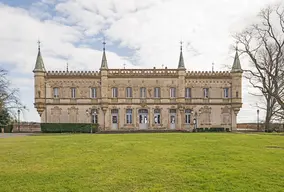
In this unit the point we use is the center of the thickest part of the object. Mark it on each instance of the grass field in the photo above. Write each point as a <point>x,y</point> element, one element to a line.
<point>143,162</point>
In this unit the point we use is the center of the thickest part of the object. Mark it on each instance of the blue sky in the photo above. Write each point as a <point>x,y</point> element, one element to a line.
<point>142,34</point>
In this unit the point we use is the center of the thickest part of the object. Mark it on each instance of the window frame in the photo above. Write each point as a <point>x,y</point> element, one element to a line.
<point>54,92</point>
<point>114,92</point>
<point>187,92</point>
<point>93,93</point>
<point>143,92</point>
<point>129,116</point>
<point>226,92</point>
<point>157,113</point>
<point>157,92</point>
<point>73,92</point>
<point>173,92</point>
<point>128,92</point>
<point>206,92</point>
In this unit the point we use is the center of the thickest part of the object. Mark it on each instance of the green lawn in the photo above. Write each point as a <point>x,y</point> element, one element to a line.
<point>143,162</point>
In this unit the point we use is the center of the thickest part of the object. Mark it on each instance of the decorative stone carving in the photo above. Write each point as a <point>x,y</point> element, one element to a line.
<point>73,113</point>
<point>226,115</point>
<point>55,114</point>
<point>205,116</point>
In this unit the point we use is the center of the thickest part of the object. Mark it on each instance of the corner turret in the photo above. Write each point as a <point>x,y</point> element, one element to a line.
<point>39,66</point>
<point>39,85</point>
<point>237,64</point>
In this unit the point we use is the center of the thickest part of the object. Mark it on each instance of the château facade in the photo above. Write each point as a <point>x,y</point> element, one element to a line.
<point>139,98</point>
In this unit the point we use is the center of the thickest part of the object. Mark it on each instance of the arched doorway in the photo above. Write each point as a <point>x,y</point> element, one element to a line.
<point>143,118</point>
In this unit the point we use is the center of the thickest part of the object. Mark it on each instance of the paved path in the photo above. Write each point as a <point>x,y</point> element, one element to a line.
<point>5,135</point>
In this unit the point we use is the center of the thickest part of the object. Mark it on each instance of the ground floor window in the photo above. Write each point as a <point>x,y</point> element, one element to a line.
<point>94,113</point>
<point>157,116</point>
<point>128,116</point>
<point>187,116</point>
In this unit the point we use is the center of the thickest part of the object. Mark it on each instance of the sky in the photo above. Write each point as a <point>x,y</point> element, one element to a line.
<point>139,34</point>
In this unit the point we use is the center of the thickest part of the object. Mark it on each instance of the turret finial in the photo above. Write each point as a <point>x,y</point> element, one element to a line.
<point>181,62</point>
<point>104,60</point>
<point>104,44</point>
<point>38,42</point>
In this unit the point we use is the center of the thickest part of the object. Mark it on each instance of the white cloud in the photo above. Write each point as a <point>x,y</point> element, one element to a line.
<point>153,28</point>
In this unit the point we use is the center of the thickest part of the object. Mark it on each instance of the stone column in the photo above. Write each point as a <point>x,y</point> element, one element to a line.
<point>181,119</point>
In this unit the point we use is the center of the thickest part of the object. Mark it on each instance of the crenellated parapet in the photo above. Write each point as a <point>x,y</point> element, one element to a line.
<point>143,72</point>
<point>73,74</point>
<point>208,74</point>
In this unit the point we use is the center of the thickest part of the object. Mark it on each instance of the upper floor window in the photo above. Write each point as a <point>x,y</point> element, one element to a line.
<point>114,92</point>
<point>73,92</point>
<point>172,92</point>
<point>128,92</point>
<point>206,92</point>
<point>187,92</point>
<point>143,92</point>
<point>93,92</point>
<point>226,92</point>
<point>55,92</point>
<point>157,92</point>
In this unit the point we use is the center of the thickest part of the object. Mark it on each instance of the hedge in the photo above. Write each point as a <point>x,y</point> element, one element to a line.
<point>221,129</point>
<point>68,127</point>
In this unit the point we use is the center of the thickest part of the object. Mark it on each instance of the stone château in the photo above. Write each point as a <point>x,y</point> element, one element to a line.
<point>139,98</point>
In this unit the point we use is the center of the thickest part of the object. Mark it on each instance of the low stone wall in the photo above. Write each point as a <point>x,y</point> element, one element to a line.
<point>26,127</point>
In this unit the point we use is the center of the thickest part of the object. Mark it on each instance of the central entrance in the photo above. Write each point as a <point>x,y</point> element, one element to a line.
<point>143,118</point>
<point>173,118</point>
<point>114,119</point>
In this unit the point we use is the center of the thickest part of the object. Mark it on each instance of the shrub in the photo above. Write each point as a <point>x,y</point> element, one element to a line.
<point>68,127</point>
<point>213,129</point>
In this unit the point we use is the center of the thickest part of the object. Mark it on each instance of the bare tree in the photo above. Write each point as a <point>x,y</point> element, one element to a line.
<point>9,100</point>
<point>263,44</point>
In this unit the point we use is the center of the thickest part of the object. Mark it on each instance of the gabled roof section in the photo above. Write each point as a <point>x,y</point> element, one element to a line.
<point>237,68</point>
<point>39,66</point>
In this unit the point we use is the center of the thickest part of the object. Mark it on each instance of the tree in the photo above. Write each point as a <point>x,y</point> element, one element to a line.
<point>9,100</point>
<point>263,44</point>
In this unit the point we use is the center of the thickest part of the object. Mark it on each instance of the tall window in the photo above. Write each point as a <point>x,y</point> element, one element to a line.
<point>94,115</point>
<point>226,92</point>
<point>143,92</point>
<point>157,116</point>
<point>55,92</point>
<point>187,116</point>
<point>172,92</point>
<point>187,92</point>
<point>128,92</point>
<point>114,92</point>
<point>206,92</point>
<point>128,116</point>
<point>157,92</point>
<point>73,92</point>
<point>93,92</point>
